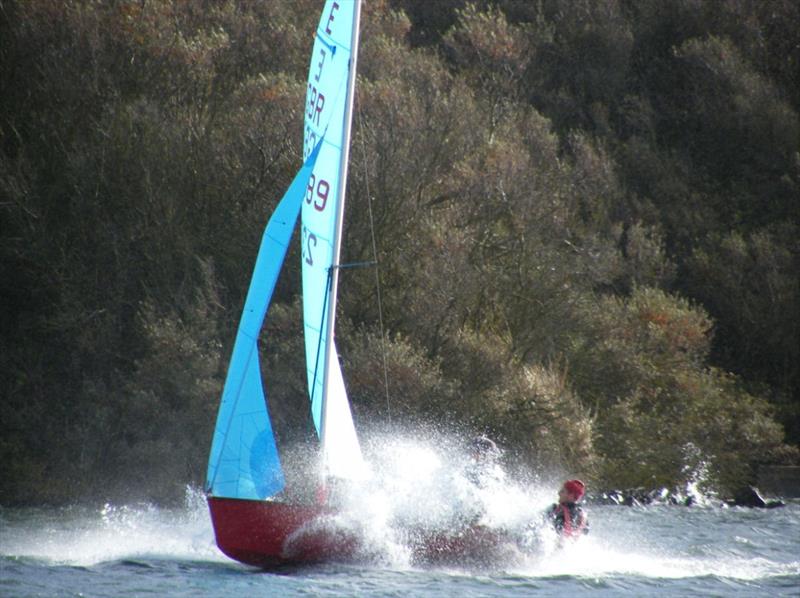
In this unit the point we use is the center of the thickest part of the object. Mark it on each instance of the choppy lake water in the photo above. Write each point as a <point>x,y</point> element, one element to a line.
<point>639,551</point>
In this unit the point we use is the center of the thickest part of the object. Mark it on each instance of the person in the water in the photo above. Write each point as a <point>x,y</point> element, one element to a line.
<point>569,519</point>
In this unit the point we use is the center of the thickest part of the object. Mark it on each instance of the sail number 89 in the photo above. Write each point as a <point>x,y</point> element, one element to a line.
<point>317,192</point>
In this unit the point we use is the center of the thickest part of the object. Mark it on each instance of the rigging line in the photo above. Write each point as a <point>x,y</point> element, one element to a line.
<point>377,268</point>
<point>319,352</point>
<point>354,265</point>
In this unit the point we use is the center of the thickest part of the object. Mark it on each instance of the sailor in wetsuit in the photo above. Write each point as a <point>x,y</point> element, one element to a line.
<point>567,517</point>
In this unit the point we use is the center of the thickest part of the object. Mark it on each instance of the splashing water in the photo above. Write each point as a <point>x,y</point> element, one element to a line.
<point>414,485</point>
<point>83,537</point>
<point>417,489</point>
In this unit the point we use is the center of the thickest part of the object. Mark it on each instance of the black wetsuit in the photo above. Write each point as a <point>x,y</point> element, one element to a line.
<point>568,519</point>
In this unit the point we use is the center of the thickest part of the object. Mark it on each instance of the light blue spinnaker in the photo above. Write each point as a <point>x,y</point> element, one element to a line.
<point>244,460</point>
<point>329,102</point>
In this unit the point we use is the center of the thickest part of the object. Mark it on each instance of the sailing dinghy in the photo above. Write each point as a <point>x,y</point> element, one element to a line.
<point>256,520</point>
<point>252,521</point>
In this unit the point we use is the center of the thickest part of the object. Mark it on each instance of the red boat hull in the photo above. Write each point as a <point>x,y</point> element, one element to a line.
<point>270,533</point>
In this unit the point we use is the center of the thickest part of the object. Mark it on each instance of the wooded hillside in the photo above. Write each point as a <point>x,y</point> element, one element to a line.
<point>585,213</point>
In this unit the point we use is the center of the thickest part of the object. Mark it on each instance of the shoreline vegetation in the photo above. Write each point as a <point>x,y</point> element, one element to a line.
<point>585,216</point>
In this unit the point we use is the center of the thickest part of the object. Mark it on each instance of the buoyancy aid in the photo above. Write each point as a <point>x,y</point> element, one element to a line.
<point>569,519</point>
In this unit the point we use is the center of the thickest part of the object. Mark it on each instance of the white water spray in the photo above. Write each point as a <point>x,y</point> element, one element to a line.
<point>426,484</point>
<point>84,537</point>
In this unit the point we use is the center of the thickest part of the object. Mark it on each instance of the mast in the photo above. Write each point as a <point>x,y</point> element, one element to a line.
<point>337,235</point>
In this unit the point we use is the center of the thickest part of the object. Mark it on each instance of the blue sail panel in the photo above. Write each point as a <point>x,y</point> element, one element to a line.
<point>249,466</point>
<point>244,460</point>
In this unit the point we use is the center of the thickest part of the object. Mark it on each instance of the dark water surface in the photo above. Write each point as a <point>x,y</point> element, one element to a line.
<point>641,551</point>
